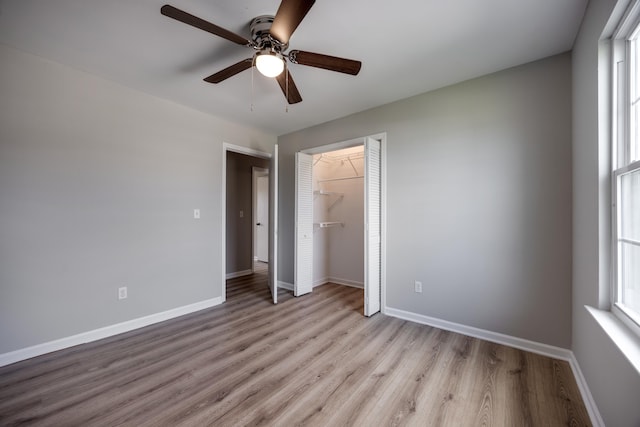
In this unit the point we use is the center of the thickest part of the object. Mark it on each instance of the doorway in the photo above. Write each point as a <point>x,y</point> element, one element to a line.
<point>239,211</point>
<point>371,211</point>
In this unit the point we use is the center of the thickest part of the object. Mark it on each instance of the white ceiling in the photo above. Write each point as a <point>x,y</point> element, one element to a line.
<point>407,47</point>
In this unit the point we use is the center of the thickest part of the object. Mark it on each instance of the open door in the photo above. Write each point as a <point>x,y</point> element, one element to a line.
<point>372,197</point>
<point>261,212</point>
<point>273,225</point>
<point>303,264</point>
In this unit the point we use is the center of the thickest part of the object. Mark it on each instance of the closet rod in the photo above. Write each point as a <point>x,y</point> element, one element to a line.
<point>340,179</point>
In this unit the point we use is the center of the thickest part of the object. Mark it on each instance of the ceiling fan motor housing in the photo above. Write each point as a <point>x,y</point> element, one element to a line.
<point>261,35</point>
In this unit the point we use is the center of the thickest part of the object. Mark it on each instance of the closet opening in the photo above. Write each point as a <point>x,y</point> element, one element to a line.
<point>338,217</point>
<point>339,225</point>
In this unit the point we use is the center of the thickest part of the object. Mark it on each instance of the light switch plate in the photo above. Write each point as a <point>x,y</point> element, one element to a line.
<point>418,287</point>
<point>196,213</point>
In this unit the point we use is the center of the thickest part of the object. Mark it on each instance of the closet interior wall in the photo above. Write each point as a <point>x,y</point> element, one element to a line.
<point>338,216</point>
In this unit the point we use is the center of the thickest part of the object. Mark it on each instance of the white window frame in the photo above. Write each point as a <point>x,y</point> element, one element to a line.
<point>624,66</point>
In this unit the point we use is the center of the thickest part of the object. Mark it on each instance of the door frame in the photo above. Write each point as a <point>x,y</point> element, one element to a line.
<point>382,137</point>
<point>226,147</point>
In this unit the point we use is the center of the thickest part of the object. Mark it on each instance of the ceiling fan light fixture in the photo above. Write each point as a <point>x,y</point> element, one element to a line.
<point>269,63</point>
<point>270,41</point>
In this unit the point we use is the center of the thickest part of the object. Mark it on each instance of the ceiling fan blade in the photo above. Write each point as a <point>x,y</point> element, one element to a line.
<point>231,71</point>
<point>290,90</point>
<point>194,21</point>
<point>333,63</point>
<point>288,17</point>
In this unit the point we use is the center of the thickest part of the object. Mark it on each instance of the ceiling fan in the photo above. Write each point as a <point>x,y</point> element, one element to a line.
<point>270,39</point>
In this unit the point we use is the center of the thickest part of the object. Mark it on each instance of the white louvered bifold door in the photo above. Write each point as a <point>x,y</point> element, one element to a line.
<point>303,278</point>
<point>372,227</point>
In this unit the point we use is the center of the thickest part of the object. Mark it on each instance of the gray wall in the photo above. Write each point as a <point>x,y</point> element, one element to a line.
<point>97,189</point>
<point>478,199</point>
<point>240,198</point>
<point>614,383</point>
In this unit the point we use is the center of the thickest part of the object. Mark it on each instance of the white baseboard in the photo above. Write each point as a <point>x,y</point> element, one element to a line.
<point>239,274</point>
<point>320,282</point>
<point>346,282</point>
<point>289,286</point>
<point>107,331</point>
<point>285,285</point>
<point>587,397</point>
<point>324,281</point>
<point>520,343</point>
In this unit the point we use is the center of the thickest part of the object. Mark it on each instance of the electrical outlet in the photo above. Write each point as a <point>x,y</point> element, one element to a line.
<point>241,214</point>
<point>122,292</point>
<point>418,287</point>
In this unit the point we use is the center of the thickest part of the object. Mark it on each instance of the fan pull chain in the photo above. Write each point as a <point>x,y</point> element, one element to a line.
<point>252,67</point>
<point>286,85</point>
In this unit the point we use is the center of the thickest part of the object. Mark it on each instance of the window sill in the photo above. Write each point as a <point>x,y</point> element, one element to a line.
<point>626,340</point>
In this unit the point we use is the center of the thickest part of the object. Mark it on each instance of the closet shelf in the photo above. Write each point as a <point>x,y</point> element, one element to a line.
<point>329,224</point>
<point>327,193</point>
<point>340,179</point>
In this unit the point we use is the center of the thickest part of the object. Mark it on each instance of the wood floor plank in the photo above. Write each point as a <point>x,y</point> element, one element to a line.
<point>360,405</point>
<point>397,402</point>
<point>327,396</point>
<point>344,348</point>
<point>142,368</point>
<point>256,378</point>
<point>229,365</point>
<point>313,360</point>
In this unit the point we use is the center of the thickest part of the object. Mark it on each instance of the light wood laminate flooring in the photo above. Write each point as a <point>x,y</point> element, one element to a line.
<point>313,360</point>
